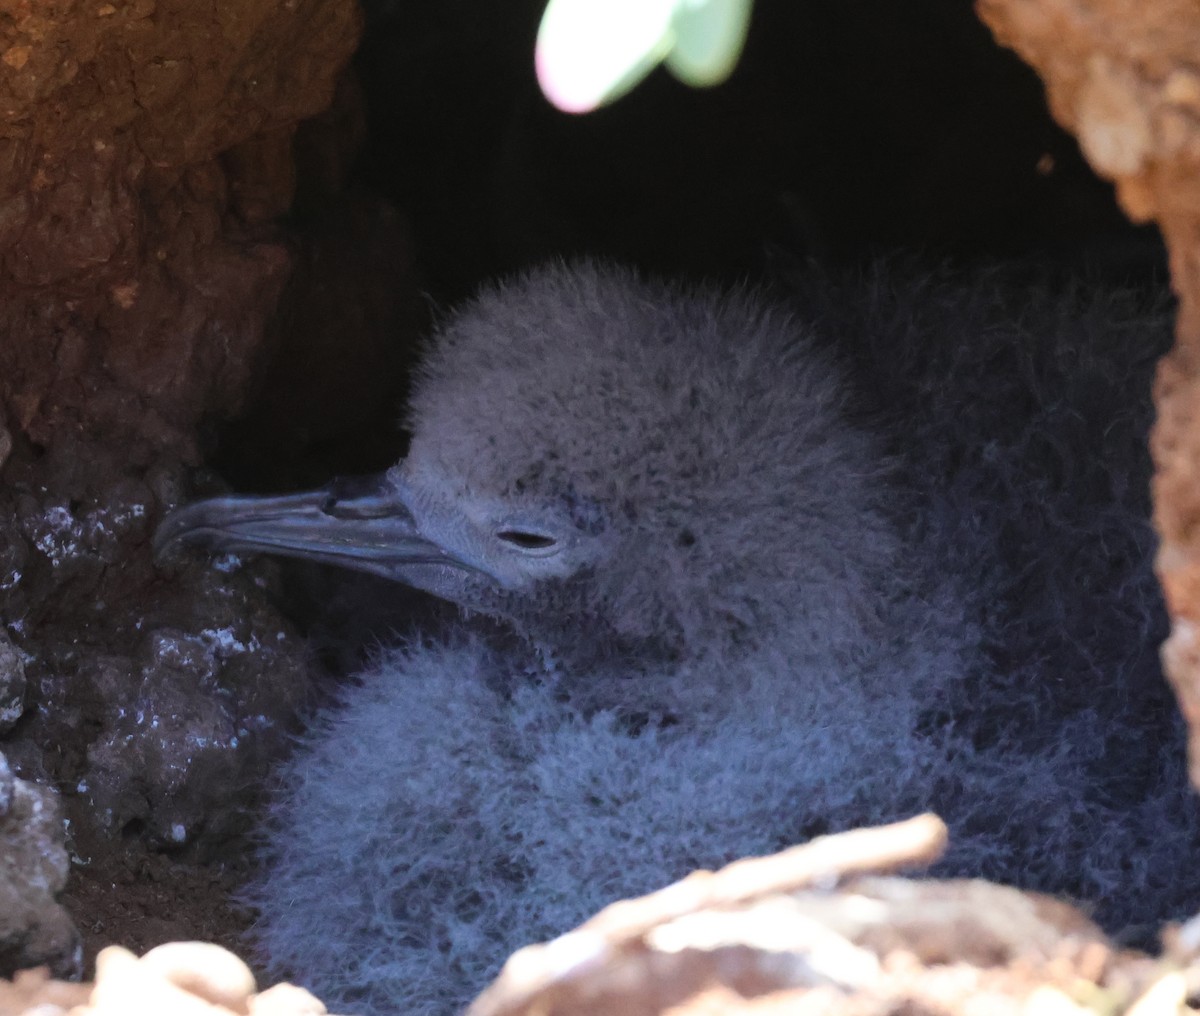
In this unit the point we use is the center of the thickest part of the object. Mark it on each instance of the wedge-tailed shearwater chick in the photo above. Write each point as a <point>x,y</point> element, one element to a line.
<point>730,576</point>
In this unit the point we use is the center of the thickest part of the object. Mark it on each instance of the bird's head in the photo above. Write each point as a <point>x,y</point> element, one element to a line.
<point>598,457</point>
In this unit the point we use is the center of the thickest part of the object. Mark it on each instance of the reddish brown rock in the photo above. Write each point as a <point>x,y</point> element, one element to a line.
<point>136,265</point>
<point>145,153</point>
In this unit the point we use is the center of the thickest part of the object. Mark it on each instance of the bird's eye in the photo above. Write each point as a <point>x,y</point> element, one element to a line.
<point>526,540</point>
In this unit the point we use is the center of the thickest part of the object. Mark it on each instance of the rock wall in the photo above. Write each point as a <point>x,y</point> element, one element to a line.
<point>144,149</point>
<point>1124,77</point>
<point>145,156</point>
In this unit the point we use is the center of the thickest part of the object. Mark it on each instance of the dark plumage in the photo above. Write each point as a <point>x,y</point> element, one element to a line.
<point>731,575</point>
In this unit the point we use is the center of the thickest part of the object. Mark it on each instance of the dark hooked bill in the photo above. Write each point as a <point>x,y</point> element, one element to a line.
<point>360,523</point>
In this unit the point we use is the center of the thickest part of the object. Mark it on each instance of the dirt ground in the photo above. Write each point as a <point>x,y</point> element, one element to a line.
<point>142,899</point>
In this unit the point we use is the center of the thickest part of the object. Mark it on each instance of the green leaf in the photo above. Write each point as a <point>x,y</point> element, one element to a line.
<point>589,52</point>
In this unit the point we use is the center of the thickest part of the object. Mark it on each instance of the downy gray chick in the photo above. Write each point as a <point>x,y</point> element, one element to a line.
<point>715,601</point>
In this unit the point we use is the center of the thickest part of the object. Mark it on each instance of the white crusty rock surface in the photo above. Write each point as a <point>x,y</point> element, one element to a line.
<point>34,928</point>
